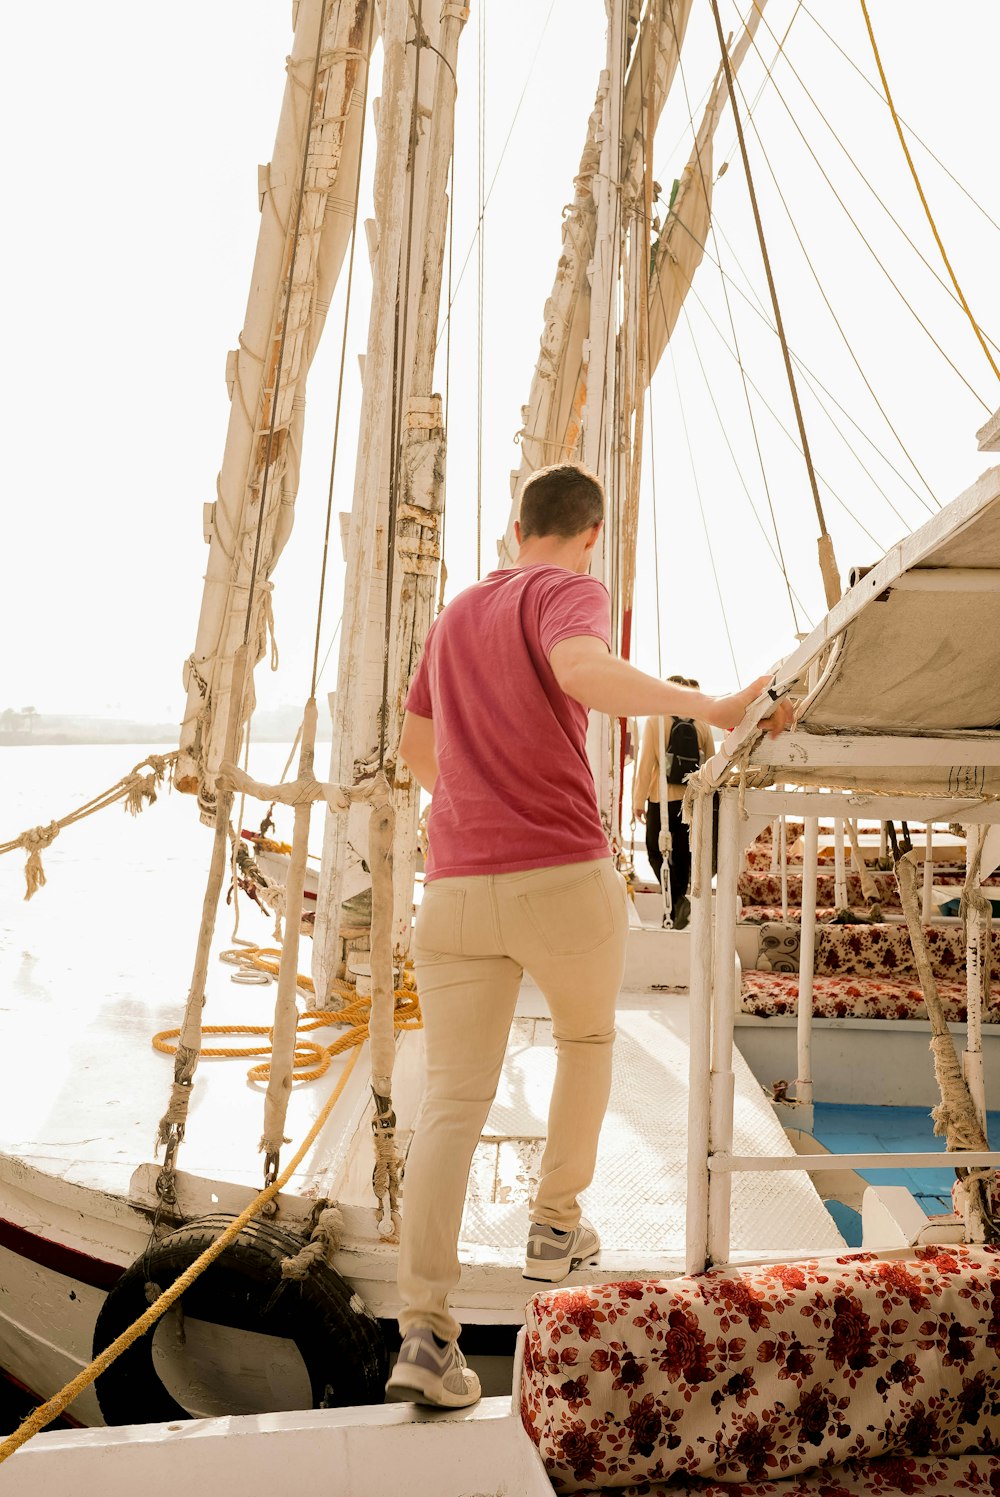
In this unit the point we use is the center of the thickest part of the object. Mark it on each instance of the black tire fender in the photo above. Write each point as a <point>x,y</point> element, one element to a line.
<point>339,1340</point>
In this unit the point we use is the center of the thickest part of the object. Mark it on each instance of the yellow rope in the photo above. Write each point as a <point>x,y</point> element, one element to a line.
<point>311,1059</point>
<point>407,1016</point>
<point>46,1412</point>
<point>920,190</point>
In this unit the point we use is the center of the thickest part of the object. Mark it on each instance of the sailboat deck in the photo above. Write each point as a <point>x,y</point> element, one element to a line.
<point>638,1197</point>
<point>79,1111</point>
<point>639,1192</point>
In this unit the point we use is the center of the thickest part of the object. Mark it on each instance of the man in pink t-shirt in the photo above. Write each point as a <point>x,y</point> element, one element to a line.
<point>519,878</point>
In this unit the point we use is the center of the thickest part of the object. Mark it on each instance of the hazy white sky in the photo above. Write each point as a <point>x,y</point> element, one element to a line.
<point>131,163</point>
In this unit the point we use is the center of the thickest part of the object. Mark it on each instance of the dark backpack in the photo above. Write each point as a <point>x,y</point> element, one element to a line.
<point>683,751</point>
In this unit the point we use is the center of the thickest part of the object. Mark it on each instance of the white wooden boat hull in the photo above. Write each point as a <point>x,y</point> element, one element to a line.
<point>363,1450</point>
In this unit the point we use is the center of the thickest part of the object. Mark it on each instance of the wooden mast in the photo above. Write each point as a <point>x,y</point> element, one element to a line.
<point>400,476</point>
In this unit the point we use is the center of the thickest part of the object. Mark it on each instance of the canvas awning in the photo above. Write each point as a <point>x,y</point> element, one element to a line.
<point>899,685</point>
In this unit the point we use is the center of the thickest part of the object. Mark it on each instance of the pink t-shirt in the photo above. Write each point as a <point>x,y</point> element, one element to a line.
<point>514,787</point>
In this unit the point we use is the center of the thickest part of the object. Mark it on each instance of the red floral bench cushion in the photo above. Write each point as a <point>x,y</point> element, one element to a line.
<point>771,994</point>
<point>756,886</point>
<point>764,1373</point>
<point>944,1476</point>
<point>771,914</point>
<point>881,950</point>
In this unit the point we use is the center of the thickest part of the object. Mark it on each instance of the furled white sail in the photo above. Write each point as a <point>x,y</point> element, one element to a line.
<point>553,418</point>
<point>300,249</point>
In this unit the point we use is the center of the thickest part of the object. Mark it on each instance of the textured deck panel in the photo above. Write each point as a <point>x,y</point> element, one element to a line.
<point>638,1197</point>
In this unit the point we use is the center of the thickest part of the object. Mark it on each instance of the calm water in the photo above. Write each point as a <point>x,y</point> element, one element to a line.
<point>111,864</point>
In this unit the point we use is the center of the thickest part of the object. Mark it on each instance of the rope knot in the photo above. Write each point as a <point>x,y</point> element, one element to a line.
<point>323,1243</point>
<point>34,841</point>
<point>140,789</point>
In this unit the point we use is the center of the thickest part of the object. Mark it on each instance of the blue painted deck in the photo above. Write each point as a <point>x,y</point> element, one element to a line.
<point>845,1129</point>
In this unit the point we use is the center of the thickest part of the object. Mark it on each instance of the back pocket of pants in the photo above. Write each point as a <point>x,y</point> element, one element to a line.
<point>438,930</point>
<point>574,918</point>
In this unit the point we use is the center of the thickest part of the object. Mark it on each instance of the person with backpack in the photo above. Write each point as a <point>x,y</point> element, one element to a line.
<point>688,743</point>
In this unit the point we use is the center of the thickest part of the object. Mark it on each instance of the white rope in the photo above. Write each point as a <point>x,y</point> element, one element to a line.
<point>324,1241</point>
<point>869,888</point>
<point>955,1117</point>
<point>135,789</point>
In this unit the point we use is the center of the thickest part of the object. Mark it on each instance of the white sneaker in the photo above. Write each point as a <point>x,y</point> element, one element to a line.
<point>426,1372</point>
<point>552,1254</point>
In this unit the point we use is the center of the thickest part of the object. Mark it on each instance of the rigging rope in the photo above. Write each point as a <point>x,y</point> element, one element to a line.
<point>920,191</point>
<point>135,789</point>
<point>768,70</point>
<point>793,596</point>
<point>919,139</point>
<point>788,433</point>
<point>316,668</point>
<point>647,394</point>
<point>443,572</point>
<point>854,163</point>
<point>813,381</point>
<point>802,365</point>
<point>732,323</point>
<point>861,234</point>
<point>500,159</point>
<point>828,566</point>
<point>480,266</point>
<point>846,341</point>
<point>656,541</point>
<point>701,511</point>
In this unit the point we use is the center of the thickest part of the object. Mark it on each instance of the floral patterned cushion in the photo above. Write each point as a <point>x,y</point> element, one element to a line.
<point>764,914</point>
<point>755,886</point>
<point>770,994</point>
<point>881,950</point>
<point>764,1374</point>
<point>942,1476</point>
<point>758,884</point>
<point>793,831</point>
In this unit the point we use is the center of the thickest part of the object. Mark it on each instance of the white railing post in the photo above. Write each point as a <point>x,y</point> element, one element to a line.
<point>927,909</point>
<point>807,951</point>
<point>724,1000</point>
<point>700,1038</point>
<point>839,866</point>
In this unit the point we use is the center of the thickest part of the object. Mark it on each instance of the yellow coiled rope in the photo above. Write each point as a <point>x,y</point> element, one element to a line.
<point>312,1060</point>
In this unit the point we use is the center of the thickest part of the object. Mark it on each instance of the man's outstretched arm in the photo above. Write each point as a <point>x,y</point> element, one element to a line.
<point>418,749</point>
<point>589,674</point>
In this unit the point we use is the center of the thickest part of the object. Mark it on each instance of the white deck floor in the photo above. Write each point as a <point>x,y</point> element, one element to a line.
<point>638,1197</point>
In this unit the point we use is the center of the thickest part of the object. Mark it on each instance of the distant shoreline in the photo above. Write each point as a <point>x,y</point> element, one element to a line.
<point>69,740</point>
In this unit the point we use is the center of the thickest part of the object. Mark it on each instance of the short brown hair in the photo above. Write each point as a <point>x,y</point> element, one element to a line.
<point>563,499</point>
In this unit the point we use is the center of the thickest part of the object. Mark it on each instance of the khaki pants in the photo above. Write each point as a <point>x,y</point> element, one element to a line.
<point>475,937</point>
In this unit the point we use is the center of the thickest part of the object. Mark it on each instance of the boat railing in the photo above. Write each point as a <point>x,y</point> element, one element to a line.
<point>714,998</point>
